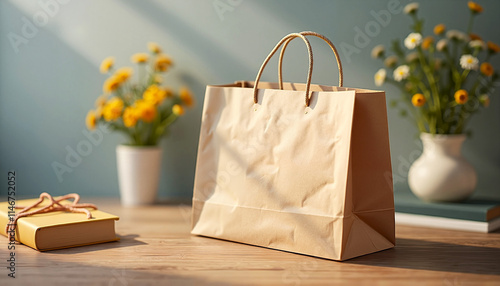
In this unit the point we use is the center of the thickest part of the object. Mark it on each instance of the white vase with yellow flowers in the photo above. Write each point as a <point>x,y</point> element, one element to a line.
<point>142,110</point>
<point>444,79</point>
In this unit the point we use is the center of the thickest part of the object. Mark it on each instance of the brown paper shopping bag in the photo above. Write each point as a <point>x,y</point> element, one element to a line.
<point>306,178</point>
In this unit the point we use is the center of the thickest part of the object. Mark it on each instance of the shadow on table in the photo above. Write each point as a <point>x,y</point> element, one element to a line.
<point>437,256</point>
<point>125,241</point>
<point>44,270</point>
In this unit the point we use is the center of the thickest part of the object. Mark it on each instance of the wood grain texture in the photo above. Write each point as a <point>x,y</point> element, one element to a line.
<point>157,249</point>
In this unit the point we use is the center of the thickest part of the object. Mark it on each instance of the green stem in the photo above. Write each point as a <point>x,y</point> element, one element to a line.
<point>414,112</point>
<point>469,25</point>
<point>152,136</point>
<point>454,74</point>
<point>460,125</point>
<point>436,102</point>
<point>142,71</point>
<point>137,135</point>
<point>418,26</point>
<point>169,120</point>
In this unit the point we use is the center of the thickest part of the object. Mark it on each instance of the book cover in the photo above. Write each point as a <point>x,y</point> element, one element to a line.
<point>473,214</point>
<point>473,209</point>
<point>55,230</point>
<point>447,223</point>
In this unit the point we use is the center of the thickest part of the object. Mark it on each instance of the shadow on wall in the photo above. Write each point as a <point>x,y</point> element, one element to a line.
<point>46,133</point>
<point>192,39</point>
<point>45,118</point>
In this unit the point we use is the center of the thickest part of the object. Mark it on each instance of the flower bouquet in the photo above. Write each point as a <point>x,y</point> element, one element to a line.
<point>444,78</point>
<point>141,110</point>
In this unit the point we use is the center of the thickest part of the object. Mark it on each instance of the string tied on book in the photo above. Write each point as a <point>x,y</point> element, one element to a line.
<point>55,206</point>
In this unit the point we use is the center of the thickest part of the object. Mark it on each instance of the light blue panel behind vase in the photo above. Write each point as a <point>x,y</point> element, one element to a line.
<point>47,87</point>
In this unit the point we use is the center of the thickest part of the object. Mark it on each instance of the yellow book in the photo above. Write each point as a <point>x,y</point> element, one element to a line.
<point>56,230</point>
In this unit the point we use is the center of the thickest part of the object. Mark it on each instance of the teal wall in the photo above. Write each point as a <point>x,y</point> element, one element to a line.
<point>47,87</point>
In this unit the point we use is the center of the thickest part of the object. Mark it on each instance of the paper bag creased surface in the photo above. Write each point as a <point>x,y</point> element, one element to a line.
<point>310,180</point>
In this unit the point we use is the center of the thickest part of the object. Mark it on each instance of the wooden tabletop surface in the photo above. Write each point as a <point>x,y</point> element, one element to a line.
<point>157,249</point>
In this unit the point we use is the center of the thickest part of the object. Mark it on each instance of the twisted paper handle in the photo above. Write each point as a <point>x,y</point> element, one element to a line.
<point>309,72</point>
<point>55,206</point>
<point>309,33</point>
<point>285,42</point>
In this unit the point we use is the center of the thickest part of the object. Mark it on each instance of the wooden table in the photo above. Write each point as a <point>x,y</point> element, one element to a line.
<point>157,249</point>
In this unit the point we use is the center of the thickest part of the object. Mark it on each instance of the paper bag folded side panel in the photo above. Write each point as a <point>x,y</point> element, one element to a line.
<point>371,154</point>
<point>370,191</point>
<point>372,171</point>
<point>362,239</point>
<point>267,174</point>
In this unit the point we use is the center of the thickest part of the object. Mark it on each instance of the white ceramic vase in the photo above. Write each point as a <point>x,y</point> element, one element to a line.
<point>441,174</point>
<point>138,173</point>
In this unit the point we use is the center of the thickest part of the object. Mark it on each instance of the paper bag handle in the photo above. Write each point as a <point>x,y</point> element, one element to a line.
<point>309,33</point>
<point>309,72</point>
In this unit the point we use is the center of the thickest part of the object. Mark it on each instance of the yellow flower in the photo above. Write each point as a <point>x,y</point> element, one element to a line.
<point>154,94</point>
<point>427,42</point>
<point>130,116</point>
<point>146,110</point>
<point>154,48</point>
<point>461,96</point>
<point>178,110</point>
<point>123,74</point>
<point>151,89</point>
<point>91,120</point>
<point>100,101</point>
<point>98,112</point>
<point>168,92</point>
<point>486,69</point>
<point>107,64</point>
<point>111,84</point>
<point>186,97</point>
<point>162,62</point>
<point>474,7</point>
<point>157,78</point>
<point>139,58</point>
<point>439,29</point>
<point>418,99</point>
<point>113,109</point>
<point>493,48</point>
